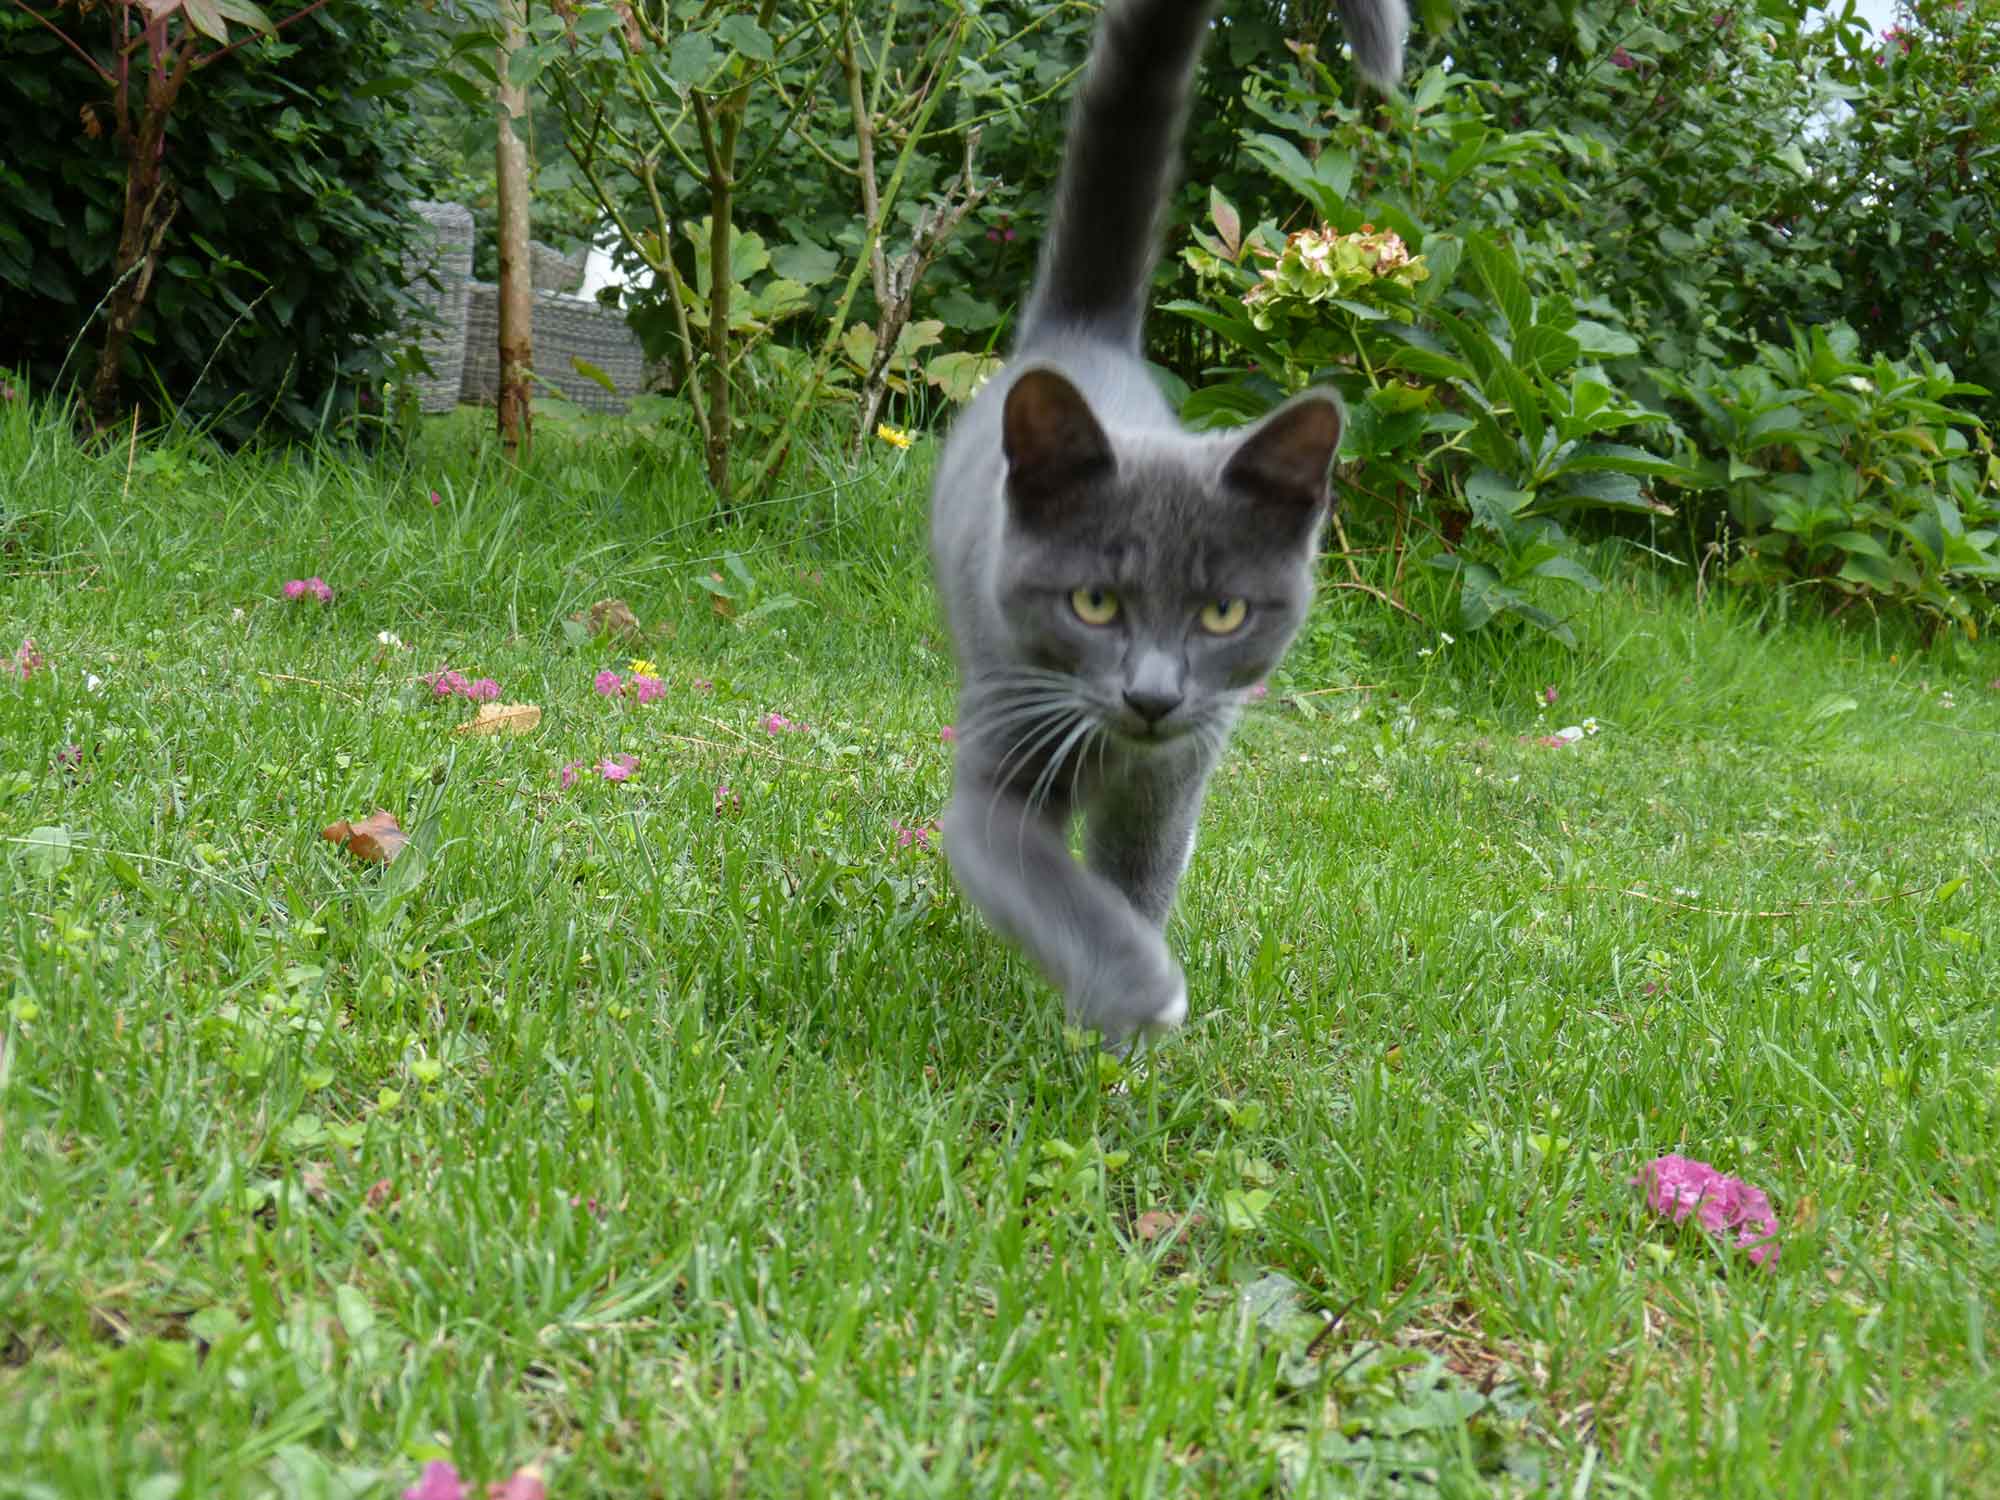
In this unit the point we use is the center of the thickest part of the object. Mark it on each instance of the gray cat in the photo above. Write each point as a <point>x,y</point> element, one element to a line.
<point>1114,584</point>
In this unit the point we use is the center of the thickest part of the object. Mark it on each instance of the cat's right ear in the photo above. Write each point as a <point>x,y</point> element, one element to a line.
<point>1052,443</point>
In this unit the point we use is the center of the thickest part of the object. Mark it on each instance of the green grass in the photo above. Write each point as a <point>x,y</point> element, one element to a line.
<point>701,1152</point>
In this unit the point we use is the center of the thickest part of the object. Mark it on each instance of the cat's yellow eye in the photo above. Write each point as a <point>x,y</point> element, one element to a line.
<point>1094,606</point>
<point>1224,616</point>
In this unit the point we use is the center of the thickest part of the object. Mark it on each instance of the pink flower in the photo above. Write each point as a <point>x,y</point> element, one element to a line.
<point>299,588</point>
<point>485,690</point>
<point>440,1482</point>
<point>434,497</point>
<point>1549,694</point>
<point>1728,1207</point>
<point>569,774</point>
<point>28,659</point>
<point>617,767</point>
<point>1620,58</point>
<point>703,685</point>
<point>779,724</point>
<point>948,735</point>
<point>1259,691</point>
<point>646,689</point>
<point>608,683</point>
<point>921,835</point>
<point>725,799</point>
<point>447,683</point>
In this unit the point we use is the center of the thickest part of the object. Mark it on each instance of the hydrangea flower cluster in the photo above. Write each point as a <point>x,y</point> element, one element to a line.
<point>1727,1207</point>
<point>450,684</point>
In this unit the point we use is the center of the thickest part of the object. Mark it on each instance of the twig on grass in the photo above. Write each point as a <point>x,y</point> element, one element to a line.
<point>1800,910</point>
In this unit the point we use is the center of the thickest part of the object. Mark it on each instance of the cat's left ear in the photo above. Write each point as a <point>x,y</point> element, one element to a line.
<point>1284,461</point>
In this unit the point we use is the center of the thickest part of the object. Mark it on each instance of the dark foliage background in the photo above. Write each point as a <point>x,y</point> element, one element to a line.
<point>296,159</point>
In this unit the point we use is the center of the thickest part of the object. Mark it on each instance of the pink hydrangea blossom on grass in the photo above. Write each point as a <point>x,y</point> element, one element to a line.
<point>440,1482</point>
<point>920,836</point>
<point>779,724</point>
<point>646,689</point>
<point>617,767</point>
<point>608,683</point>
<point>483,690</point>
<point>1728,1207</point>
<point>300,588</point>
<point>447,683</point>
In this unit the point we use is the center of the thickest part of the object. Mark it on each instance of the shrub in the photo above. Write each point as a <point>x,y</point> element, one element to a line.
<point>1478,409</point>
<point>1858,477</point>
<point>279,276</point>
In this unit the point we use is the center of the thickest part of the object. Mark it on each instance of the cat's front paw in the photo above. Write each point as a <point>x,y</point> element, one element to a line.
<point>1146,996</point>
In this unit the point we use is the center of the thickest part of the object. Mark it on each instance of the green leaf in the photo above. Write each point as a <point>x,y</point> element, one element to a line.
<point>1229,405</point>
<point>1569,570</point>
<point>959,376</point>
<point>245,13</point>
<point>1607,490</point>
<point>207,18</point>
<point>45,850</point>
<point>805,262</point>
<point>746,38</point>
<point>1494,263</point>
<point>691,58</point>
<point>1625,459</point>
<point>591,372</point>
<point>1603,342</point>
<point>1228,223</point>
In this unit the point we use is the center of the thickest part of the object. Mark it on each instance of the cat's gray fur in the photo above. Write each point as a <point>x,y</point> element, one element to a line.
<point>1070,472</point>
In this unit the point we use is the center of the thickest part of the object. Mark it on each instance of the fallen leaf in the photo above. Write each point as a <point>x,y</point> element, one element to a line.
<point>722,604</point>
<point>376,838</point>
<point>502,718</point>
<point>526,1484</point>
<point>612,617</point>
<point>1153,1224</point>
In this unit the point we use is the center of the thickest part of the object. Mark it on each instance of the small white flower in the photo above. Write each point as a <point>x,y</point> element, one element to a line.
<point>1590,726</point>
<point>1425,651</point>
<point>390,639</point>
<point>1446,637</point>
<point>1945,699</point>
<point>236,614</point>
<point>92,683</point>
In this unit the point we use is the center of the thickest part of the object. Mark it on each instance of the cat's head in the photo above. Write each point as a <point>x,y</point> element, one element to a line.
<point>1162,573</point>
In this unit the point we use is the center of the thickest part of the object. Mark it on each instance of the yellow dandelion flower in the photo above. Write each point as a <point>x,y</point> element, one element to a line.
<point>643,667</point>
<point>894,436</point>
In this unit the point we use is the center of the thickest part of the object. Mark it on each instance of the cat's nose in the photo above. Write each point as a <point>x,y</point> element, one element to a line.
<point>1151,705</point>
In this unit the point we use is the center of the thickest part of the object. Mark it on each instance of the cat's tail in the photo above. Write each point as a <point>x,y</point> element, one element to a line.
<point>1124,148</point>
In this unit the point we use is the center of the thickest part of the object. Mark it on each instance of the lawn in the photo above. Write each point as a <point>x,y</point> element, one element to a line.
<point>686,1135</point>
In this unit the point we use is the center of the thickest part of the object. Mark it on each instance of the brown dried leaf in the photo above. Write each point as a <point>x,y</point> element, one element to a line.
<point>612,617</point>
<point>502,718</point>
<point>722,604</point>
<point>376,838</point>
<point>1152,1225</point>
